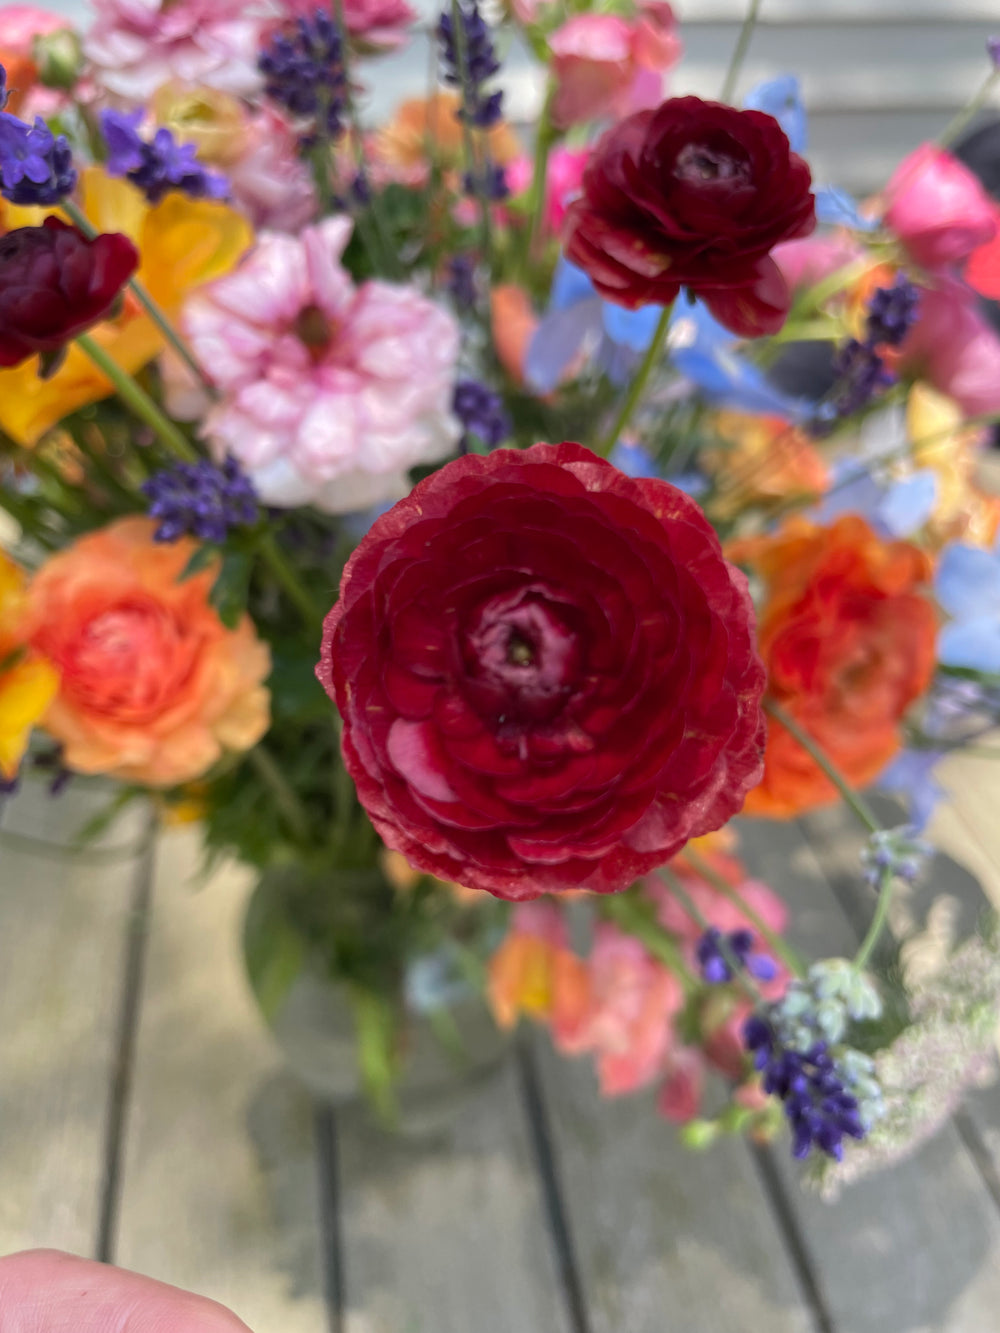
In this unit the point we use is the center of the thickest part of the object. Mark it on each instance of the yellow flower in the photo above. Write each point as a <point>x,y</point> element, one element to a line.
<point>182,243</point>
<point>27,682</point>
<point>941,441</point>
<point>214,122</point>
<point>763,461</point>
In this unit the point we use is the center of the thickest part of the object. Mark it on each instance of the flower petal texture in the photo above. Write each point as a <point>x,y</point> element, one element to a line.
<point>547,673</point>
<point>693,194</point>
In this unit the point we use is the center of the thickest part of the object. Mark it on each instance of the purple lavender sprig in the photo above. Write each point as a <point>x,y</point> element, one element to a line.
<point>717,952</point>
<point>201,500</point>
<point>304,72</point>
<point>469,68</point>
<point>36,166</point>
<point>158,165</point>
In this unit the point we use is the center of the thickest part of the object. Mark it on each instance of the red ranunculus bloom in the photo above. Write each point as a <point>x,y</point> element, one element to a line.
<point>547,674</point>
<point>694,194</point>
<point>55,283</point>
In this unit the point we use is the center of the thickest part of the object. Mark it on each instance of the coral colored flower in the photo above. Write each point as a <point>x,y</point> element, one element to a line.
<point>628,1023</point>
<point>154,688</point>
<point>330,392</point>
<point>848,637</point>
<point>19,26</point>
<point>938,208</point>
<point>27,682</point>
<point>513,324</point>
<point>546,672</point>
<point>55,283</point>
<point>763,461</point>
<point>182,243</point>
<point>694,194</point>
<point>429,126</point>
<point>135,46</point>
<point>535,972</point>
<point>604,65</point>
<point>954,348</point>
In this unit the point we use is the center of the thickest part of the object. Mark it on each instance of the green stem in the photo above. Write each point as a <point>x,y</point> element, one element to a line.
<point>739,53</point>
<point>739,976</point>
<point>852,798</point>
<point>276,561</point>
<point>169,331</point>
<point>878,921</point>
<point>958,123</point>
<point>285,796</point>
<point>633,914</point>
<point>547,136</point>
<point>638,385</point>
<point>775,943</point>
<point>138,400</point>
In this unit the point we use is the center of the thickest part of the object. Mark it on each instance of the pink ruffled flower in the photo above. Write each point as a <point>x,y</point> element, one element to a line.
<point>604,65</point>
<point>137,45</point>
<point>814,258</point>
<point>955,349</point>
<point>563,181</point>
<point>375,25</point>
<point>938,208</point>
<point>330,392</point>
<point>269,180</point>
<point>628,1022</point>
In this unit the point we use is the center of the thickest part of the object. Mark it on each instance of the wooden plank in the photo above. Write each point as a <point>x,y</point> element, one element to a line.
<point>916,1247</point>
<point>445,1232</point>
<point>219,1188</point>
<point>64,926</point>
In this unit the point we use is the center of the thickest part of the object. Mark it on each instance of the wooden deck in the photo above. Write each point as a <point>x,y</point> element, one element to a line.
<point>145,1117</point>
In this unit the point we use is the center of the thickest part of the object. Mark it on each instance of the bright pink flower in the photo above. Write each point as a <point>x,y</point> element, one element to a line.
<point>679,1098</point>
<point>814,258</point>
<point>955,349</point>
<point>604,65</point>
<point>136,46</point>
<point>563,181</point>
<point>628,1025</point>
<point>378,25</point>
<point>269,181</point>
<point>21,24</point>
<point>938,208</point>
<point>330,392</point>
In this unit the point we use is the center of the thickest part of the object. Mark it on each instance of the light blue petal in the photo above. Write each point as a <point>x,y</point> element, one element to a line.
<point>974,644</point>
<point>633,460</point>
<point>911,774</point>
<point>782,99</point>
<point>838,209</point>
<point>557,340</point>
<point>631,328</point>
<point>907,505</point>
<point>570,286</point>
<point>968,582</point>
<point>854,491</point>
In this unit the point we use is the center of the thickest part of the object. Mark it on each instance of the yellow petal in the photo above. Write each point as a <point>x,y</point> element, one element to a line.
<point>25,693</point>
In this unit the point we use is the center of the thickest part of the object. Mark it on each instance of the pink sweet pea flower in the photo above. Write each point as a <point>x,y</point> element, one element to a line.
<point>605,65</point>
<point>955,349</point>
<point>330,392</point>
<point>680,1095</point>
<point>628,1025</point>
<point>938,208</point>
<point>563,181</point>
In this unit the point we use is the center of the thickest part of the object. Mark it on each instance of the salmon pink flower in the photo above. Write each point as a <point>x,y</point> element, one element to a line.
<point>604,65</point>
<point>330,392</point>
<point>154,689</point>
<point>546,672</point>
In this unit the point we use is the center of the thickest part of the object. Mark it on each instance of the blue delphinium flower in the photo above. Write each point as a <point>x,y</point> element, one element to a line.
<point>159,165</point>
<point>968,588</point>
<point>201,499</point>
<point>36,166</point>
<point>469,70</point>
<point>482,414</point>
<point>304,71</point>
<point>716,953</point>
<point>827,1087</point>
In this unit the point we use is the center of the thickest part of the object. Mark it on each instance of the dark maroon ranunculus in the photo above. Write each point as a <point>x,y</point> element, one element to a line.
<point>55,283</point>
<point>693,194</point>
<point>547,674</point>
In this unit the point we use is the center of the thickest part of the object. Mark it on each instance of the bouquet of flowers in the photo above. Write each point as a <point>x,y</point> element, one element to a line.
<point>255,348</point>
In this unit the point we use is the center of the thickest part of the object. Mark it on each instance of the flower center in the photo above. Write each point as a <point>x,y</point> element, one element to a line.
<point>313,328</point>
<point>522,657</point>
<point>702,163</point>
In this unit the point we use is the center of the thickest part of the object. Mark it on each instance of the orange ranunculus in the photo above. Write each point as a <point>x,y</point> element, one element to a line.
<point>764,461</point>
<point>535,972</point>
<point>27,682</point>
<point>22,74</point>
<point>154,688</point>
<point>425,129</point>
<point>848,638</point>
<point>182,244</point>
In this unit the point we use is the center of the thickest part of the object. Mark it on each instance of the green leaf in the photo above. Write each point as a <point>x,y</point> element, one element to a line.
<point>273,950</point>
<point>102,821</point>
<point>202,558</point>
<point>232,588</point>
<point>375,1020</point>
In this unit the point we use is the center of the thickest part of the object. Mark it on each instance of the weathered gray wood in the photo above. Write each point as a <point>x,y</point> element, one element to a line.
<point>64,927</point>
<point>219,1186</point>
<point>666,1239</point>
<point>914,1249</point>
<point>445,1232</point>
